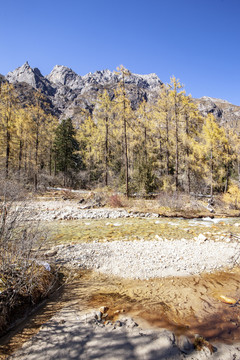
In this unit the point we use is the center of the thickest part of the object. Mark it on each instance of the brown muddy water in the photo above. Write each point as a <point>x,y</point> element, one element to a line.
<point>185,305</point>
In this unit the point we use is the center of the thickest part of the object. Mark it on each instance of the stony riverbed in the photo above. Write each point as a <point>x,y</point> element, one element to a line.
<point>141,259</point>
<point>153,267</point>
<point>72,210</point>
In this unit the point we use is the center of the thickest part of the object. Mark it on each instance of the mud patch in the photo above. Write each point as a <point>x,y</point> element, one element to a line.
<point>185,305</point>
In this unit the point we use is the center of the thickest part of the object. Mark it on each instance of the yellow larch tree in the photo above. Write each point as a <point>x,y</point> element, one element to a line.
<point>9,106</point>
<point>176,96</point>
<point>191,126</point>
<point>216,153</point>
<point>86,136</point>
<point>142,148</point>
<point>103,115</point>
<point>123,119</point>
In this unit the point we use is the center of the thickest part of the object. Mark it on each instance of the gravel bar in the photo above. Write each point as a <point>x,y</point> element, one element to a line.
<point>144,259</point>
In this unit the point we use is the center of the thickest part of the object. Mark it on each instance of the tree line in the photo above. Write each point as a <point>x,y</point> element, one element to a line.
<point>164,144</point>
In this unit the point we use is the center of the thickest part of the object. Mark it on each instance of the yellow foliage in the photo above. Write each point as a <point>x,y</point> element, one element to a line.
<point>232,197</point>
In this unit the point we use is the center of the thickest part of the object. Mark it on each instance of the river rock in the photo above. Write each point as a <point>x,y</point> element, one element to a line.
<point>118,323</point>
<point>129,322</point>
<point>201,238</point>
<point>98,315</point>
<point>103,309</point>
<point>51,253</point>
<point>184,344</point>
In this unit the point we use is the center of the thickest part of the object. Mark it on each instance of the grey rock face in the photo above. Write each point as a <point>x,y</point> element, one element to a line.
<point>221,109</point>
<point>63,76</point>
<point>26,95</point>
<point>2,78</point>
<point>207,106</point>
<point>72,95</point>
<point>32,77</point>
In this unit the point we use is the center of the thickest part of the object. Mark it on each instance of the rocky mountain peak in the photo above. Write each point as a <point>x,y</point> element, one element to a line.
<point>23,73</point>
<point>64,76</point>
<point>215,100</point>
<point>69,93</point>
<point>30,76</point>
<point>223,110</point>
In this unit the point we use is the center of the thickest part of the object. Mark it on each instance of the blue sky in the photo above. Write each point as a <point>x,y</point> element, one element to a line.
<point>195,40</point>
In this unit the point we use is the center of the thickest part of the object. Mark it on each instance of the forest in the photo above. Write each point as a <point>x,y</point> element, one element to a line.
<point>164,144</point>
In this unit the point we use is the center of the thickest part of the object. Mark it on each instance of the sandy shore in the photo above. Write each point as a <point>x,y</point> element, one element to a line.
<point>76,335</point>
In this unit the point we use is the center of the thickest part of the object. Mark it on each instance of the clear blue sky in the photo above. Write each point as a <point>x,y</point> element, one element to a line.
<point>195,40</point>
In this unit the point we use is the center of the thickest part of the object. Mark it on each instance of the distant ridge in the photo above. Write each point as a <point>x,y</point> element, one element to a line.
<point>70,93</point>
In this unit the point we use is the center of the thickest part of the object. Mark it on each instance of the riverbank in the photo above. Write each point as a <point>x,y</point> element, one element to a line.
<point>75,335</point>
<point>71,334</point>
<point>164,280</point>
<point>142,259</point>
<point>68,204</point>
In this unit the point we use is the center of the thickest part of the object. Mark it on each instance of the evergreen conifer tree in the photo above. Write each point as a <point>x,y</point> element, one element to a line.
<point>65,148</point>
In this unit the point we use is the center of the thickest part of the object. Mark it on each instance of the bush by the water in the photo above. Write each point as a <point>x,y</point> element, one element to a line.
<point>115,201</point>
<point>232,197</point>
<point>23,277</point>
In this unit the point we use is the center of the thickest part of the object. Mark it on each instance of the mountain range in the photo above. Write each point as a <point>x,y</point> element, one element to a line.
<point>69,94</point>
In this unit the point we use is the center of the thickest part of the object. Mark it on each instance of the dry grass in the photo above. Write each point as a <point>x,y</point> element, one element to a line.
<point>23,280</point>
<point>165,204</point>
<point>115,201</point>
<point>15,300</point>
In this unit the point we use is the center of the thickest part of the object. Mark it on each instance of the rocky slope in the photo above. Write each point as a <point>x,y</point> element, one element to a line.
<point>71,95</point>
<point>223,110</point>
<point>1,78</point>
<point>32,77</point>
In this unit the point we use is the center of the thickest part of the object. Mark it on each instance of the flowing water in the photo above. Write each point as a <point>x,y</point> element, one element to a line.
<point>88,230</point>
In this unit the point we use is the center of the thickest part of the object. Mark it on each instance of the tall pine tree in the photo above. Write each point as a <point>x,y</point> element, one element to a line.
<point>65,149</point>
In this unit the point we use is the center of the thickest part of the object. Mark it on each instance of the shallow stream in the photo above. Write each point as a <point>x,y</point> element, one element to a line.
<point>186,305</point>
<point>88,230</point>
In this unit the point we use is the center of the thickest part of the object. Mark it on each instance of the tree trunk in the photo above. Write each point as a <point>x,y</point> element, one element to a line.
<point>227,172</point>
<point>35,181</point>
<point>50,161</point>
<point>177,157</point>
<point>36,162</point>
<point>25,161</point>
<point>145,144</point>
<point>189,179</point>
<point>126,155</point>
<point>211,167</point>
<point>187,154</point>
<point>106,151</point>
<point>20,158</point>
<point>176,145</point>
<point>8,136</point>
<point>55,166</point>
<point>125,139</point>
<point>167,144</point>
